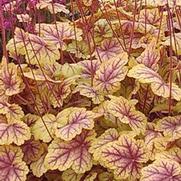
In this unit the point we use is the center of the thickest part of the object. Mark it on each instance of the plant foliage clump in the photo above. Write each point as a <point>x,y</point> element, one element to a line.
<point>90,90</point>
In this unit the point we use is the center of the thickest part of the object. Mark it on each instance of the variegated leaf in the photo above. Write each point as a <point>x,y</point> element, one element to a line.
<point>72,154</point>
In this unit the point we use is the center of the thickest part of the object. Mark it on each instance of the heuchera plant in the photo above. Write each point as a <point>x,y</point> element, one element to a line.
<point>90,90</point>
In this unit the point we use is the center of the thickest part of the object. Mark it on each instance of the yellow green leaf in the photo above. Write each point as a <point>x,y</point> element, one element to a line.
<point>107,137</point>
<point>38,167</point>
<point>13,112</point>
<point>125,111</point>
<point>73,121</point>
<point>171,126</point>
<point>70,175</point>
<point>43,128</point>
<point>158,86</point>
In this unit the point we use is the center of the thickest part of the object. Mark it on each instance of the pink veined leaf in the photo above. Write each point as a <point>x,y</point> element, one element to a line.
<point>72,154</point>
<point>61,92</point>
<point>71,122</point>
<point>89,67</point>
<point>125,111</point>
<point>151,134</point>
<point>57,7</point>
<point>127,26</point>
<point>109,48</point>
<point>30,119</point>
<point>150,16</point>
<point>150,56</point>
<point>38,75</point>
<point>125,157</point>
<point>110,73</point>
<point>38,167</point>
<point>159,170</point>
<point>90,92</point>
<point>10,81</point>
<point>158,86</point>
<point>21,40</point>
<point>99,143</point>
<point>32,150</point>
<point>171,126</point>
<point>65,32</point>
<point>13,112</point>
<point>37,49</point>
<point>12,167</point>
<point>172,154</point>
<point>17,133</point>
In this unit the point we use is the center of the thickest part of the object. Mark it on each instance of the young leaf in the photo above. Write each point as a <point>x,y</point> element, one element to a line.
<point>110,73</point>
<point>158,86</point>
<point>32,150</point>
<point>80,49</point>
<point>73,121</point>
<point>171,126</point>
<point>72,154</point>
<point>12,167</point>
<point>125,111</point>
<point>162,170</point>
<point>125,157</point>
